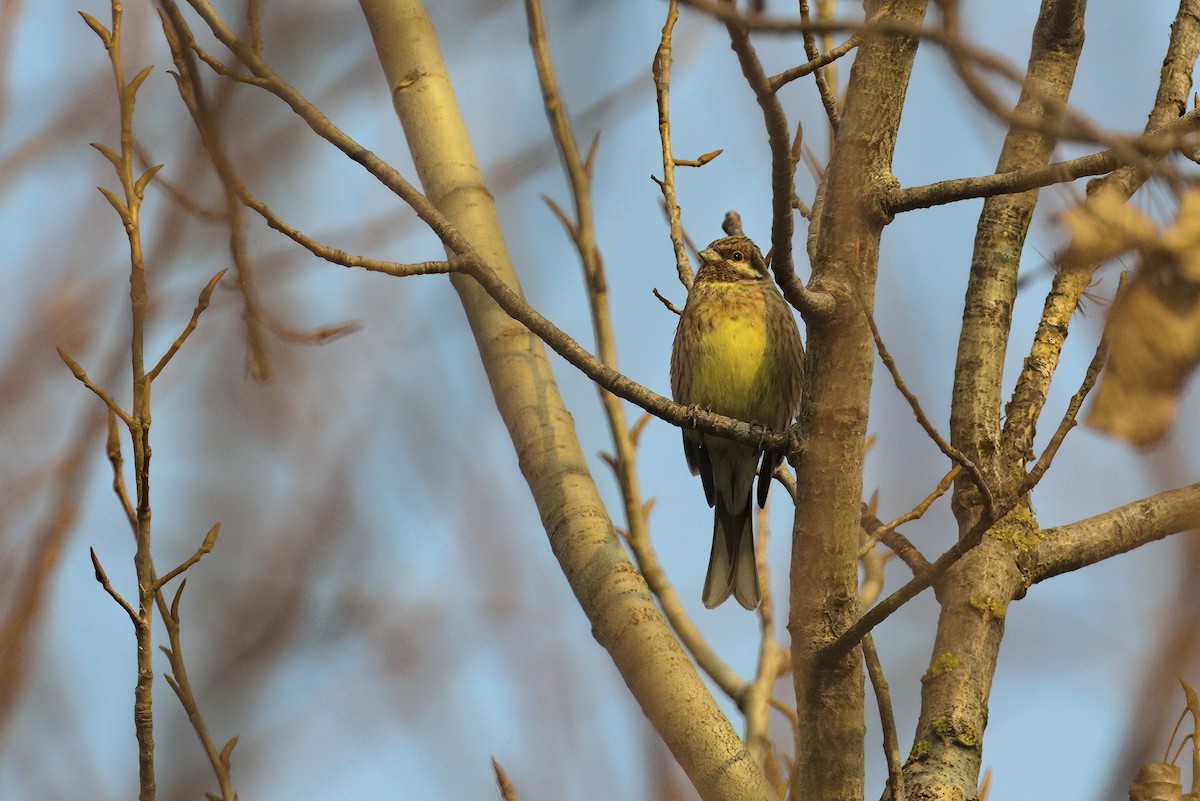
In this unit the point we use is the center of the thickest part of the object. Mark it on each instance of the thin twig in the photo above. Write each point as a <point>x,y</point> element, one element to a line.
<point>113,450</point>
<point>1068,422</point>
<point>817,305</point>
<point>1176,135</point>
<point>945,447</point>
<point>887,718</point>
<point>102,577</point>
<point>755,701</point>
<point>900,545</point>
<point>666,302</point>
<point>210,539</point>
<point>179,682</point>
<point>81,374</point>
<point>815,65</point>
<point>582,232</point>
<point>828,96</point>
<point>201,305</point>
<point>916,512</point>
<point>919,583</point>
<point>699,162</point>
<point>661,69</point>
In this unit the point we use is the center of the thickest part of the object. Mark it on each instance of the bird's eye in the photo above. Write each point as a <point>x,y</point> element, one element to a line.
<point>738,256</point>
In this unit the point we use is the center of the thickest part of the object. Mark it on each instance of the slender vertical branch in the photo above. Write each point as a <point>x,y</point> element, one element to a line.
<point>821,75</point>
<point>615,598</point>
<point>783,186</point>
<point>662,93</point>
<point>138,419</point>
<point>583,233</point>
<point>1033,384</point>
<point>887,719</point>
<point>128,208</point>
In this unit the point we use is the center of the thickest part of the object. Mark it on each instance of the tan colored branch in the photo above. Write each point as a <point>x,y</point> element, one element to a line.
<point>613,595</point>
<point>624,464</point>
<point>1033,384</point>
<point>469,260</point>
<point>821,76</point>
<point>830,703</point>
<point>1070,547</point>
<point>818,305</point>
<point>662,92</point>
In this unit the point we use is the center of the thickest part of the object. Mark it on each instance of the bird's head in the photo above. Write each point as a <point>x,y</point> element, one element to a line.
<point>734,258</point>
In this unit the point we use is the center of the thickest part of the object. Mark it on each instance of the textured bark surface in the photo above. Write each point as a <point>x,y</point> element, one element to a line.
<point>829,694</point>
<point>625,620</point>
<point>948,745</point>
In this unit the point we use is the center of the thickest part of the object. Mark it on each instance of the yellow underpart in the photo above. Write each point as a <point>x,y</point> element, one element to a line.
<point>730,367</point>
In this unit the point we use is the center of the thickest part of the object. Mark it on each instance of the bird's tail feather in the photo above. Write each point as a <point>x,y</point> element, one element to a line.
<point>731,567</point>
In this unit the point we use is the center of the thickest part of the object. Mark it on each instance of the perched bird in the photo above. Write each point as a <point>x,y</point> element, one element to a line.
<point>737,352</point>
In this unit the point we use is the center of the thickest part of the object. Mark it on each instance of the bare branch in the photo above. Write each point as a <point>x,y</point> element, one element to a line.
<point>887,719</point>
<point>1068,421</point>
<point>945,447</point>
<point>210,539</point>
<point>662,92</point>
<point>81,374</point>
<point>815,304</point>
<point>1176,135</point>
<point>671,306</point>
<point>916,513</point>
<point>201,305</point>
<point>900,545</point>
<point>1070,547</point>
<point>815,64</point>
<point>828,93</point>
<point>102,577</point>
<point>113,450</point>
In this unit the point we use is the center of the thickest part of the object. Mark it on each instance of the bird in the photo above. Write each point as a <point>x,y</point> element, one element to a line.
<point>737,352</point>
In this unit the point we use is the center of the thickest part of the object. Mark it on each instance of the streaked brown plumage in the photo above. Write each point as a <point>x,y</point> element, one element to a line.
<point>737,352</point>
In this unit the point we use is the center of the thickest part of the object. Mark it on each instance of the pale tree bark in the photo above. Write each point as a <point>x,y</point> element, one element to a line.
<point>948,745</point>
<point>833,417</point>
<point>624,619</point>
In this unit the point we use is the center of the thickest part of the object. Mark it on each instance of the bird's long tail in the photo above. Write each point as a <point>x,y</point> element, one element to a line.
<point>731,567</point>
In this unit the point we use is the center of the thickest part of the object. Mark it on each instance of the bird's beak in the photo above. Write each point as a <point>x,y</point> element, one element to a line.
<point>709,256</point>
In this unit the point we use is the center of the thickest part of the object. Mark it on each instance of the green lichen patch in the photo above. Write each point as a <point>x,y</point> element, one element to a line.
<point>1018,528</point>
<point>945,662</point>
<point>956,731</point>
<point>921,749</point>
<point>988,606</point>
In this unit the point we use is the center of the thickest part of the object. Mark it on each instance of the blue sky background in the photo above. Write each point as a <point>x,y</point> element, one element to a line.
<point>382,613</point>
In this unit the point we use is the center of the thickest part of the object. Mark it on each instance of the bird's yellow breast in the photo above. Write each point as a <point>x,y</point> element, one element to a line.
<point>731,365</point>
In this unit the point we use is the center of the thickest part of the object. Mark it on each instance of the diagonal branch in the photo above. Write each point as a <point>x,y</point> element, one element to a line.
<point>1175,135</point>
<point>779,138</point>
<point>481,268</point>
<point>661,69</point>
<point>949,450</point>
<point>624,465</point>
<point>1070,547</point>
<point>201,305</point>
<point>1033,383</point>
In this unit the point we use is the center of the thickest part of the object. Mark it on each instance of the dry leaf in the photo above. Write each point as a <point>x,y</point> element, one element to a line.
<point>1154,326</point>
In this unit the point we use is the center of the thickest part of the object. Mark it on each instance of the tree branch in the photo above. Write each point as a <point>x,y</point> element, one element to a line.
<point>1177,134</point>
<point>1033,384</point>
<point>661,69</point>
<point>816,305</point>
<point>1070,547</point>
<point>614,596</point>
